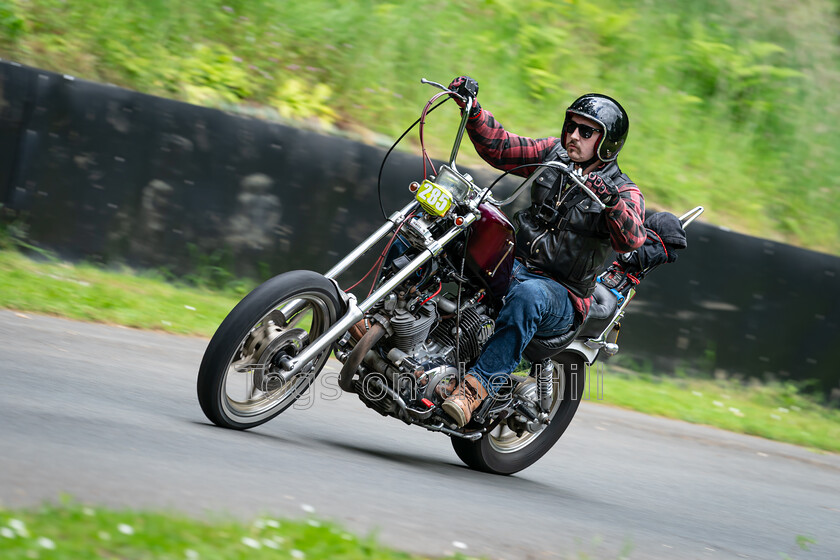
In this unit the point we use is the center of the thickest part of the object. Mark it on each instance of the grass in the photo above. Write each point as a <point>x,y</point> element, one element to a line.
<point>127,298</point>
<point>774,411</point>
<point>777,411</point>
<point>69,530</point>
<point>733,102</point>
<point>72,531</point>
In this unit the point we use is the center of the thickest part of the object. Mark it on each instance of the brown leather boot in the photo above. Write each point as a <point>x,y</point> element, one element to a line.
<point>446,387</point>
<point>465,400</point>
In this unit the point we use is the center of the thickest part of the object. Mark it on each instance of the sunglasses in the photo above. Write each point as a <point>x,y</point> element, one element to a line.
<point>586,132</point>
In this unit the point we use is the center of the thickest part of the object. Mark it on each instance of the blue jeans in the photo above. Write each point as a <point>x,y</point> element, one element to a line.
<point>533,304</point>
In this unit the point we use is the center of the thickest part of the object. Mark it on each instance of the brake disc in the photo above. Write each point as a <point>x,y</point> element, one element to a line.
<point>262,349</point>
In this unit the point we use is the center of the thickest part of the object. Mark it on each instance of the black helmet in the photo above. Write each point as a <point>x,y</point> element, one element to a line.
<point>607,112</point>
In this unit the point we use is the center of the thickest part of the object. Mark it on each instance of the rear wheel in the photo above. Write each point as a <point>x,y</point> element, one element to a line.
<point>240,384</point>
<point>503,451</point>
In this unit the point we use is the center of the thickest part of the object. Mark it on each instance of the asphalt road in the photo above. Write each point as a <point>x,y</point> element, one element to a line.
<point>109,416</point>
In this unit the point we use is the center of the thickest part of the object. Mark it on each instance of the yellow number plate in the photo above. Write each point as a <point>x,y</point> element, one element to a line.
<point>433,198</point>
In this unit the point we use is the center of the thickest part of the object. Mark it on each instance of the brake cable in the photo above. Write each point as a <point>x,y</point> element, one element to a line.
<point>385,252</point>
<point>381,256</point>
<point>391,149</point>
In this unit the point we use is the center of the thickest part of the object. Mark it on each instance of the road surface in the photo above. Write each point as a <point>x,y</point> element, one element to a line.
<point>109,416</point>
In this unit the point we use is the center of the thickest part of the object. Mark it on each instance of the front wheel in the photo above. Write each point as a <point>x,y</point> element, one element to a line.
<point>503,451</point>
<point>240,384</point>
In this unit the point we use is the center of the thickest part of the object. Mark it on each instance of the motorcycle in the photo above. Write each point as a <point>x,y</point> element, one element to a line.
<point>437,288</point>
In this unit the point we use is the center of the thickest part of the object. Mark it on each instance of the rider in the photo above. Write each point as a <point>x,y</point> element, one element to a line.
<point>550,292</point>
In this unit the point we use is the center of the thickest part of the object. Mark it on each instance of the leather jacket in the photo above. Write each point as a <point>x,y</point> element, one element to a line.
<point>564,233</point>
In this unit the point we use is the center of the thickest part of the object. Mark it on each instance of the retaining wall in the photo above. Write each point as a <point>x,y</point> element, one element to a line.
<point>111,175</point>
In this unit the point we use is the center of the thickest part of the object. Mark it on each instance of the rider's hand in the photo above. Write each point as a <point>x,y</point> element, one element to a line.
<point>603,189</point>
<point>467,87</point>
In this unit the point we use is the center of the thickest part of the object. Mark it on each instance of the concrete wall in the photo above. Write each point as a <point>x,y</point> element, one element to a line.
<point>111,175</point>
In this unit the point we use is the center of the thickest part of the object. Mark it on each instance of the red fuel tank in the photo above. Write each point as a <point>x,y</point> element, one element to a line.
<point>490,252</point>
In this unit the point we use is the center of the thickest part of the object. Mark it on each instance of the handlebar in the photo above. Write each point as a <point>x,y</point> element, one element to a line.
<point>465,113</point>
<point>568,170</point>
<point>574,176</point>
<point>446,89</point>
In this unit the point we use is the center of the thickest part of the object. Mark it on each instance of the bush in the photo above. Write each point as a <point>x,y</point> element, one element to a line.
<point>732,104</point>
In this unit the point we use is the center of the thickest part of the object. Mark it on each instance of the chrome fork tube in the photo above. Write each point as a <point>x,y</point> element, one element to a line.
<point>463,126</point>
<point>357,312</point>
<point>296,305</point>
<point>384,230</point>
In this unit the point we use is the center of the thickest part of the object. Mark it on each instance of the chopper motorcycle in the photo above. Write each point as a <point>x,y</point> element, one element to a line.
<point>437,288</point>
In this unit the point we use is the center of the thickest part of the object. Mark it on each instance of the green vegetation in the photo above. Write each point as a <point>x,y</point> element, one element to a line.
<point>774,411</point>
<point>92,294</point>
<point>71,531</point>
<point>778,411</point>
<point>733,102</point>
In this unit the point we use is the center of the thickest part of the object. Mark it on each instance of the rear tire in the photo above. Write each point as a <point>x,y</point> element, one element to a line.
<point>502,452</point>
<point>239,384</point>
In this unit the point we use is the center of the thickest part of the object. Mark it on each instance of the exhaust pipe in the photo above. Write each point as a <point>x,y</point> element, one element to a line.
<point>354,360</point>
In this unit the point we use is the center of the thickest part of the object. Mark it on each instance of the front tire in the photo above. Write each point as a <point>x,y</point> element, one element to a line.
<point>503,452</point>
<point>239,383</point>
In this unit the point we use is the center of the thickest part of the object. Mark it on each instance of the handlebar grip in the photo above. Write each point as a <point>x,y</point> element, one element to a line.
<point>569,170</point>
<point>463,98</point>
<point>588,191</point>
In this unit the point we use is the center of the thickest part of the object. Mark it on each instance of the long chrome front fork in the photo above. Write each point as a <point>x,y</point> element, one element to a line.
<point>393,221</point>
<point>386,228</point>
<point>357,312</point>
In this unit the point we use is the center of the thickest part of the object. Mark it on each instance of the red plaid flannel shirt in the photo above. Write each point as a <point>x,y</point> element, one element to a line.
<point>504,150</point>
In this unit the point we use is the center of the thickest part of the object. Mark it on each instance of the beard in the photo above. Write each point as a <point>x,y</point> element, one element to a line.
<point>574,152</point>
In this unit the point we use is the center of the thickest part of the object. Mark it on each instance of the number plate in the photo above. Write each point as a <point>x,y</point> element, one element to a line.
<point>433,198</point>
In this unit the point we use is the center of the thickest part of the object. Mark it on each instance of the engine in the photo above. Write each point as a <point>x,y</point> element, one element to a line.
<point>468,334</point>
<point>412,330</point>
<point>422,346</point>
<point>452,339</point>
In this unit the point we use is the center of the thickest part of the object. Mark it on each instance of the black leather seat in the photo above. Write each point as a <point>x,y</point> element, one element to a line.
<point>602,309</point>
